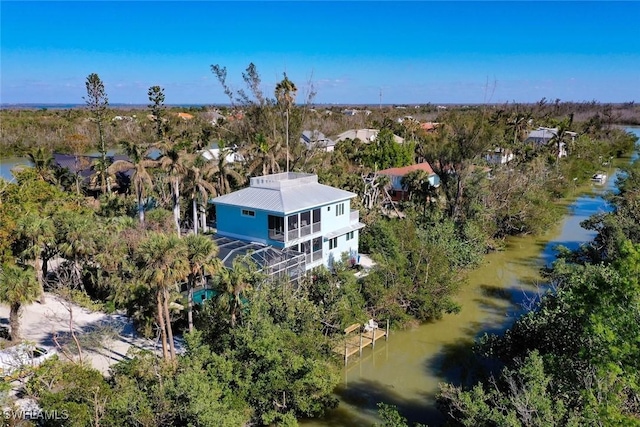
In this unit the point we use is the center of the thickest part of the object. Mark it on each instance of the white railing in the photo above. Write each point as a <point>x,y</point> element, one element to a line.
<point>354,216</point>
<point>303,231</point>
<point>313,257</point>
<point>292,234</point>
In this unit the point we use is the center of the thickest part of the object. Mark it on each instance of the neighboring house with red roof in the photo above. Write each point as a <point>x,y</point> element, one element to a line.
<point>429,126</point>
<point>398,191</point>
<point>185,116</point>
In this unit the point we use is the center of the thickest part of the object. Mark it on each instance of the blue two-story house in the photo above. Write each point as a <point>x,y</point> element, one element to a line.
<point>292,212</point>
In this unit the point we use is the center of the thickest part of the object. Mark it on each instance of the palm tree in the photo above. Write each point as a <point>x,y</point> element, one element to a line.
<point>262,156</point>
<point>201,256</point>
<point>103,176</point>
<point>413,182</point>
<point>42,162</point>
<point>199,173</point>
<point>560,138</point>
<point>65,179</point>
<point>225,171</point>
<point>517,124</point>
<point>163,259</point>
<point>285,93</point>
<point>77,242</point>
<point>17,288</point>
<point>418,185</point>
<point>233,285</point>
<point>172,161</point>
<point>139,163</point>
<point>36,234</point>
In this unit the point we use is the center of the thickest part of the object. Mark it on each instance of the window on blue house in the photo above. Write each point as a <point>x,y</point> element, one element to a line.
<point>276,228</point>
<point>333,243</point>
<point>247,212</point>
<point>316,220</point>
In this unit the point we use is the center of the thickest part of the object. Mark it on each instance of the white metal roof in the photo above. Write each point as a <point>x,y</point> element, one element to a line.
<point>284,193</point>
<point>364,135</point>
<point>543,133</point>
<point>344,230</point>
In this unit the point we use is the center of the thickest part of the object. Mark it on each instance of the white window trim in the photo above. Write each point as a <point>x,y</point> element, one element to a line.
<point>248,215</point>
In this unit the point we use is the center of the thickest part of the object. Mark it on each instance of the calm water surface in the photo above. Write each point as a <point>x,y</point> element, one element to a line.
<point>406,370</point>
<point>8,163</point>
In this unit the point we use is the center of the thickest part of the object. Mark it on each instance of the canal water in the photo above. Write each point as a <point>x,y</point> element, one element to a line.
<point>406,370</point>
<point>8,163</point>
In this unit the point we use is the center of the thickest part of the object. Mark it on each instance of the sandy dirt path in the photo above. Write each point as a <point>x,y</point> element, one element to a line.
<point>112,335</point>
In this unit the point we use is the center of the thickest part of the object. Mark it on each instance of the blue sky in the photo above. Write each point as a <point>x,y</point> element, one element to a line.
<point>415,52</point>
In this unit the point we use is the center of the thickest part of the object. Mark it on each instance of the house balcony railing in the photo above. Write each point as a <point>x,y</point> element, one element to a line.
<point>314,256</point>
<point>303,231</point>
<point>354,216</point>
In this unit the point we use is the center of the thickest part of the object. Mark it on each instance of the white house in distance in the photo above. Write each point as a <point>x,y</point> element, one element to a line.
<point>499,156</point>
<point>293,215</point>
<point>316,139</point>
<point>212,152</point>
<point>364,135</point>
<point>543,135</point>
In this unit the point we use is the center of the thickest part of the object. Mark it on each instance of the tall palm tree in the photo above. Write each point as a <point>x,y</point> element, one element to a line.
<point>17,288</point>
<point>139,163</point>
<point>201,256</point>
<point>285,93</point>
<point>234,284</point>
<point>36,233</point>
<point>199,173</point>
<point>225,172</point>
<point>164,263</point>
<point>262,156</point>
<point>172,162</point>
<point>517,124</point>
<point>561,137</point>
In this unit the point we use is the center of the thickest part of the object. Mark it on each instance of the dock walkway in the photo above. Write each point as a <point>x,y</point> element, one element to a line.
<point>358,337</point>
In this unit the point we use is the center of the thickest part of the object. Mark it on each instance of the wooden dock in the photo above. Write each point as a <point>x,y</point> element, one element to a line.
<point>358,337</point>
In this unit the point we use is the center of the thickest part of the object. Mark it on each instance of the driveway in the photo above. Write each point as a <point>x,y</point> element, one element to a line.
<point>105,338</point>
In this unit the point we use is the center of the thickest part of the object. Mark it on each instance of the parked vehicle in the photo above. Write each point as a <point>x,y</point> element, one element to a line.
<point>20,360</point>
